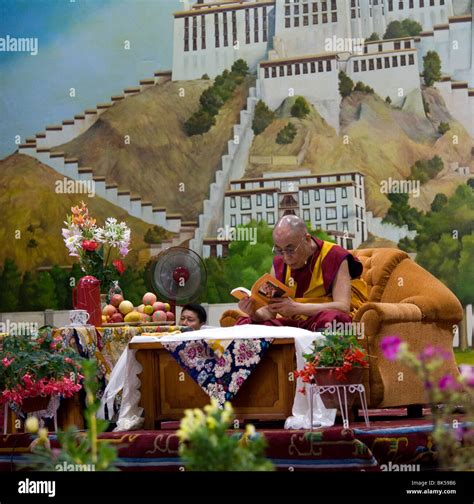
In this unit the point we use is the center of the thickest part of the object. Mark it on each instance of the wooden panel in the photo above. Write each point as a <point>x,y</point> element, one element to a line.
<point>167,390</point>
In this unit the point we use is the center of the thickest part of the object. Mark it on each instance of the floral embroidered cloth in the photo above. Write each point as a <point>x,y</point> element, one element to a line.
<point>219,372</point>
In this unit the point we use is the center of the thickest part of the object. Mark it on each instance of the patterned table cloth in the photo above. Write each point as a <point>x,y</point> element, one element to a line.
<point>107,344</point>
<point>220,370</point>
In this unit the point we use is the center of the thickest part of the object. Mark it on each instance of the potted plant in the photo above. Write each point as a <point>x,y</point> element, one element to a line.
<point>336,359</point>
<point>35,369</point>
<point>98,248</point>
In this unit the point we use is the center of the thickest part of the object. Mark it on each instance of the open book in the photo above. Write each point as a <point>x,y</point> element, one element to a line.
<point>263,289</point>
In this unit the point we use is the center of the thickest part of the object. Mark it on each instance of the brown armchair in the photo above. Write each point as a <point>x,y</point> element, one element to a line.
<point>407,301</point>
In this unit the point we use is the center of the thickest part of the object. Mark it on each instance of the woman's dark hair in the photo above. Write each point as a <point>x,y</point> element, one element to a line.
<point>198,310</point>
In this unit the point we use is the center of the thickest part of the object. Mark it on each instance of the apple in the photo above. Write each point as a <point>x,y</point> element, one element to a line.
<point>148,309</point>
<point>125,307</point>
<point>167,307</point>
<point>132,316</point>
<point>149,298</point>
<point>145,318</point>
<point>159,316</point>
<point>116,299</point>
<point>109,310</point>
<point>169,316</point>
<point>116,318</point>
<point>159,306</point>
<point>140,308</point>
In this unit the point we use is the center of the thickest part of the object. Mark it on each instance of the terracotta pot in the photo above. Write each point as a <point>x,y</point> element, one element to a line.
<point>327,376</point>
<point>38,403</point>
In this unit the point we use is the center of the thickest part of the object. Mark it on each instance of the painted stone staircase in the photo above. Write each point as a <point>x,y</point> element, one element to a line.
<point>40,147</point>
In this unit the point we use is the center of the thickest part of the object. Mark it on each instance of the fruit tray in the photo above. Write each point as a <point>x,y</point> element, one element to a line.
<point>143,324</point>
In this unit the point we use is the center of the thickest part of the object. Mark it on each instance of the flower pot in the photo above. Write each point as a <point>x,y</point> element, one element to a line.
<point>37,403</point>
<point>327,376</point>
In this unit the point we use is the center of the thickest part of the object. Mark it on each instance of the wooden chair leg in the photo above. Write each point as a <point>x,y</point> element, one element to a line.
<point>415,411</point>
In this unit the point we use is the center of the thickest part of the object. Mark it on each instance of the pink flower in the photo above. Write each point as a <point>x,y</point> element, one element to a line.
<point>430,352</point>
<point>6,362</point>
<point>124,251</point>
<point>447,383</point>
<point>390,347</point>
<point>467,372</point>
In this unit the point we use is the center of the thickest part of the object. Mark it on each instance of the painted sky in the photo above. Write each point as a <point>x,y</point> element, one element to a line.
<point>81,46</point>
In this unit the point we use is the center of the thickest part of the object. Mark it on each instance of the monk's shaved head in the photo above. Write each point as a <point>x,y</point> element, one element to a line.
<point>290,225</point>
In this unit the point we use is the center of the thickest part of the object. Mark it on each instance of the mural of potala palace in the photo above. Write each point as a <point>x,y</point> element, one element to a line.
<point>288,42</point>
<point>298,47</point>
<point>295,48</point>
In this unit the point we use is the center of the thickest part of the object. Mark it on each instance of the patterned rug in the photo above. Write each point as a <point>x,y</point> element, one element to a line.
<point>398,444</point>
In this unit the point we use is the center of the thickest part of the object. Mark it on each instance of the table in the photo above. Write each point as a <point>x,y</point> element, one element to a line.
<point>166,390</point>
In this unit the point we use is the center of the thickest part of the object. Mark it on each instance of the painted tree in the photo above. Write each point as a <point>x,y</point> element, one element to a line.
<point>45,294</point>
<point>262,118</point>
<point>10,283</point>
<point>346,84</point>
<point>300,108</point>
<point>431,68</point>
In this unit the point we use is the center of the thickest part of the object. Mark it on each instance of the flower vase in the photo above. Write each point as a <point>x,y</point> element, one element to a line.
<point>326,376</point>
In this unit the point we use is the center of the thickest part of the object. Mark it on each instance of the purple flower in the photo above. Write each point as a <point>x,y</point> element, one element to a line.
<point>447,382</point>
<point>467,372</point>
<point>390,347</point>
<point>430,352</point>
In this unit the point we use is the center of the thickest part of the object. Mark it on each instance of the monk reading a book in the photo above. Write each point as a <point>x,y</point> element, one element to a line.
<point>324,279</point>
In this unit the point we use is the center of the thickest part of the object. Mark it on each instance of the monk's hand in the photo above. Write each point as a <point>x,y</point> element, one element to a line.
<point>285,306</point>
<point>247,305</point>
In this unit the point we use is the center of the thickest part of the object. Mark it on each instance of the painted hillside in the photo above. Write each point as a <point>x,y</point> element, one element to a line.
<point>160,155</point>
<point>383,142</point>
<point>30,205</point>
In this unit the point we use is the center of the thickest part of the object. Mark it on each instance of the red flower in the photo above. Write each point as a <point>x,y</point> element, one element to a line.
<point>90,245</point>
<point>6,362</point>
<point>119,266</point>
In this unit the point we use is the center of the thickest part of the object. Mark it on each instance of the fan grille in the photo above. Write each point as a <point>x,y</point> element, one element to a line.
<point>168,279</point>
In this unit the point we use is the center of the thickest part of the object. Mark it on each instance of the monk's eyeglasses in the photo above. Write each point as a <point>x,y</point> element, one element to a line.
<point>288,251</point>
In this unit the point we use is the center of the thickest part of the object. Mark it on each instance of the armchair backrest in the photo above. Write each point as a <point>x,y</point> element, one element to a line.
<point>379,263</point>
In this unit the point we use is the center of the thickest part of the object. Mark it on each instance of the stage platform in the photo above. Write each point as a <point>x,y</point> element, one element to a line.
<point>392,442</point>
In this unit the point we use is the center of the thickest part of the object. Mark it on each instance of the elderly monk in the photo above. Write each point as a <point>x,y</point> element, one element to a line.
<point>324,276</point>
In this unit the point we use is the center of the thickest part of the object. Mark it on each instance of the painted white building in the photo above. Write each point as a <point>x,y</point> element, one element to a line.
<point>390,67</point>
<point>334,202</point>
<point>210,36</point>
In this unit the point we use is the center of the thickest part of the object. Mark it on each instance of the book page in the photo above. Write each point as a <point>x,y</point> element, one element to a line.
<point>240,292</point>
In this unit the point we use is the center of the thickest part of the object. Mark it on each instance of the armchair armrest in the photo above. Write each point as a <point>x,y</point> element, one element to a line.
<point>445,308</point>
<point>391,312</point>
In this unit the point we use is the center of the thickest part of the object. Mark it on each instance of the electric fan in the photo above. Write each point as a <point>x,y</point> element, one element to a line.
<point>178,276</point>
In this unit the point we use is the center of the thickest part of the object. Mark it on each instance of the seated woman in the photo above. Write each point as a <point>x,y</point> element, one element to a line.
<point>194,315</point>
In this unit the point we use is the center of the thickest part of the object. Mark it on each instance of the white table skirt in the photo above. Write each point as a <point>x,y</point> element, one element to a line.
<point>124,376</point>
